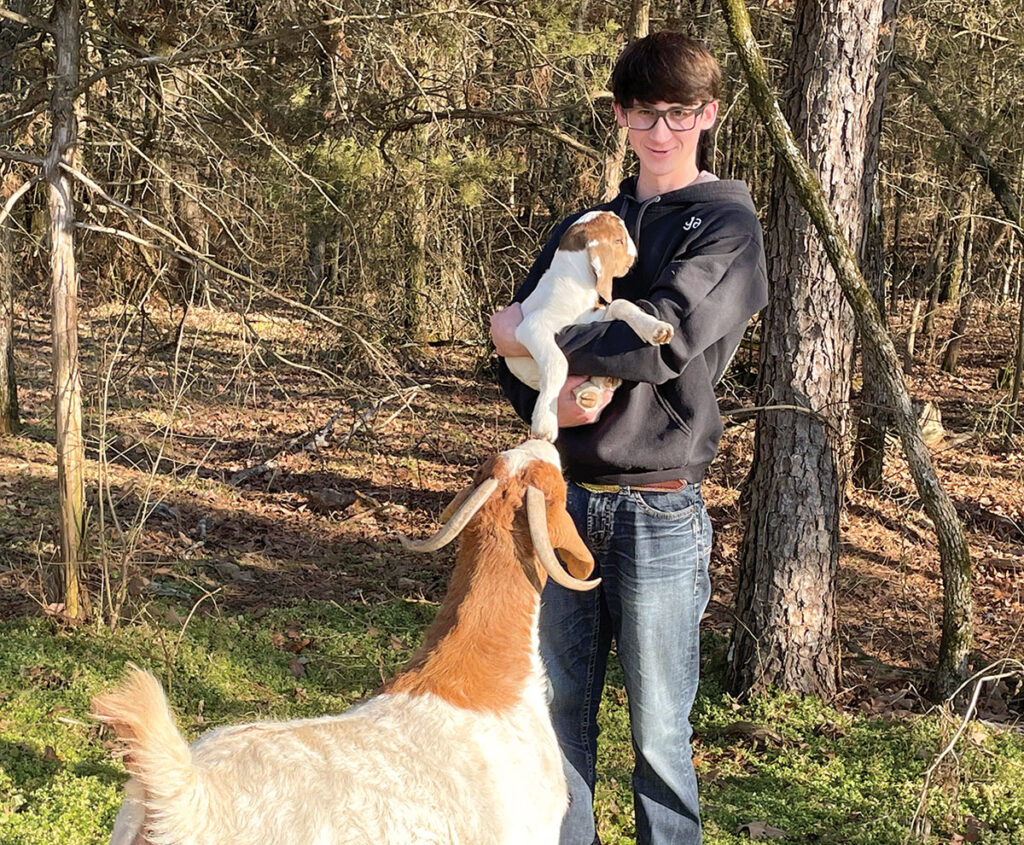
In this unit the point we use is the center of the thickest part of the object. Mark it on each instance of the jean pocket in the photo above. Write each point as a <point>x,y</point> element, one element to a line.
<point>676,506</point>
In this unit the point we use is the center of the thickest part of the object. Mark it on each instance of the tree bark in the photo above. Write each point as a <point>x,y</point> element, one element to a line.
<point>64,293</point>
<point>875,418</point>
<point>957,612</point>
<point>785,631</point>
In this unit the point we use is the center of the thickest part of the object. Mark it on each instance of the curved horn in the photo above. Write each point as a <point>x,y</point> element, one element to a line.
<point>536,513</point>
<point>450,530</point>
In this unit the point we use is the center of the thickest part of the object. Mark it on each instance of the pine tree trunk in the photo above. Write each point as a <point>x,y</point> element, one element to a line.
<point>954,553</point>
<point>66,377</point>
<point>785,631</point>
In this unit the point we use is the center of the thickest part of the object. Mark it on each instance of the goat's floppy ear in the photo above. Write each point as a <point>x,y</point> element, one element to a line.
<point>568,543</point>
<point>602,259</point>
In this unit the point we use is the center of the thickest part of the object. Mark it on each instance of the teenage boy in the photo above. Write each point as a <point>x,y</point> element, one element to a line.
<point>635,463</point>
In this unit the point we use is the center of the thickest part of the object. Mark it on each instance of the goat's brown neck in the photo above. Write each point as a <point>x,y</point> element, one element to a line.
<point>478,653</point>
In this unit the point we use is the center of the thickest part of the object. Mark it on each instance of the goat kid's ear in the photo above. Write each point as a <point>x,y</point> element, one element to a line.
<point>565,539</point>
<point>602,259</point>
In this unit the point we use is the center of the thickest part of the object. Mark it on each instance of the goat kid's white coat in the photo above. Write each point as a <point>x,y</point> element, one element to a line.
<point>593,251</point>
<point>410,765</point>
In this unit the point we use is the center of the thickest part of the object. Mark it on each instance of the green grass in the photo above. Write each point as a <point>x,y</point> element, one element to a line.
<point>815,773</point>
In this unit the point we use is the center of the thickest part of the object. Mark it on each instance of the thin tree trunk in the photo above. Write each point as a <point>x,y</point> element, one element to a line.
<point>951,358</point>
<point>874,418</point>
<point>1018,364</point>
<point>961,247</point>
<point>785,631</point>
<point>956,271</point>
<point>66,377</point>
<point>639,27</point>
<point>963,315</point>
<point>10,420</point>
<point>954,554</point>
<point>930,286</point>
<point>11,34</point>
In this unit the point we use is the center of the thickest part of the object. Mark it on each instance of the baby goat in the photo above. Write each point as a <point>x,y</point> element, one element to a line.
<point>594,250</point>
<point>458,748</point>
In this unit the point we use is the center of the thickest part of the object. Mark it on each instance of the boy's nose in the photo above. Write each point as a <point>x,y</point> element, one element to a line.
<point>660,130</point>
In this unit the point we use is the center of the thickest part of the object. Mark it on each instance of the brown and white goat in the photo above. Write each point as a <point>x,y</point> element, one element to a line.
<point>458,748</point>
<point>593,251</point>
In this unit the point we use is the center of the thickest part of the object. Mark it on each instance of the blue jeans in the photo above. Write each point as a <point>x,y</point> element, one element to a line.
<point>652,551</point>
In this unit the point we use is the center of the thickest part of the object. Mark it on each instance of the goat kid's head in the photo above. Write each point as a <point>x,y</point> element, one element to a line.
<point>527,478</point>
<point>610,249</point>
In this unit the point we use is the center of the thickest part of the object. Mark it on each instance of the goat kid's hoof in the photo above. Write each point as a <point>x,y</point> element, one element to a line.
<point>588,397</point>
<point>662,333</point>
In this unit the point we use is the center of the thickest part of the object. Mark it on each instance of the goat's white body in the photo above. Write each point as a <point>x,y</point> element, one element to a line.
<point>566,295</point>
<point>399,769</point>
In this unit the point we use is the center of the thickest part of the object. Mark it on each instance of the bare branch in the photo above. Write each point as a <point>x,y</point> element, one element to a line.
<point>17,195</point>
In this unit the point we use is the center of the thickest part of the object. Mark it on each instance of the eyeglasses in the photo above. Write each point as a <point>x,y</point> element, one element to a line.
<point>677,118</point>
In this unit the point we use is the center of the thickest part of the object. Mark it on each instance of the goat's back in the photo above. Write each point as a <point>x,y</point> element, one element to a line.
<point>396,770</point>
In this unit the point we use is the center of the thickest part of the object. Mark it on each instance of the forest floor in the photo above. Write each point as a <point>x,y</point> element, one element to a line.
<point>180,534</point>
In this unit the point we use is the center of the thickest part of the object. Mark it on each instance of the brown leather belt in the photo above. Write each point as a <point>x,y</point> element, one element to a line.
<point>672,485</point>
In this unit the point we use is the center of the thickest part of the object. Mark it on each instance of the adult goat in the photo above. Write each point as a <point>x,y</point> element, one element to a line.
<point>457,749</point>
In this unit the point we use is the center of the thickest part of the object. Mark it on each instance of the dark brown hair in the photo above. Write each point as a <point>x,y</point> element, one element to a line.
<point>666,67</point>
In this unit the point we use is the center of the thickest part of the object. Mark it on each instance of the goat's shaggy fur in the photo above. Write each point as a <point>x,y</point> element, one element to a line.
<point>593,251</point>
<point>459,748</point>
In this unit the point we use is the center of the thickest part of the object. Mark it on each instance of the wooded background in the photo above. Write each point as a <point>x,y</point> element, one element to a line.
<point>382,176</point>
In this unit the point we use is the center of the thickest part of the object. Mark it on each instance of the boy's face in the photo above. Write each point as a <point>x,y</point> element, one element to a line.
<point>665,154</point>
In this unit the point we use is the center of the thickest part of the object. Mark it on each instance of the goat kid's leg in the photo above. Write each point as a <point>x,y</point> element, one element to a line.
<point>553,371</point>
<point>649,329</point>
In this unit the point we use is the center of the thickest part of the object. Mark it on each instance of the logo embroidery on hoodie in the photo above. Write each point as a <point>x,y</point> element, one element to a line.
<point>692,223</point>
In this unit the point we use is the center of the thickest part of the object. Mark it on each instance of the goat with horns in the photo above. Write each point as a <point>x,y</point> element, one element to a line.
<point>457,749</point>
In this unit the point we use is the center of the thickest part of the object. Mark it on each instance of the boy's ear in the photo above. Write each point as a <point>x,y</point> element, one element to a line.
<point>620,115</point>
<point>709,115</point>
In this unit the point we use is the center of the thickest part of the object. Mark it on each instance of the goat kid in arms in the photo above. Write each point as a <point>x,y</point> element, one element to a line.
<point>595,250</point>
<point>457,749</point>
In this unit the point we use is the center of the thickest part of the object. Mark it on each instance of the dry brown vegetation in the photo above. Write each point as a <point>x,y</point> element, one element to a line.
<point>319,522</point>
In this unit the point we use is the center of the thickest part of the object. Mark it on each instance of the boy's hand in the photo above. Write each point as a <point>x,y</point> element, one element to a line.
<point>503,332</point>
<point>570,414</point>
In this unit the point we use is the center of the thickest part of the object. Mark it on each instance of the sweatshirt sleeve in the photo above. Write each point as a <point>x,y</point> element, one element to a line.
<point>706,293</point>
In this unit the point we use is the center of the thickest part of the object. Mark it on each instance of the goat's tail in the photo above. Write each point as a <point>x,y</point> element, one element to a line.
<point>158,756</point>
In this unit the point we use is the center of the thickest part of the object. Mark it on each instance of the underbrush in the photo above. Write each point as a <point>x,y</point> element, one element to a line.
<point>779,766</point>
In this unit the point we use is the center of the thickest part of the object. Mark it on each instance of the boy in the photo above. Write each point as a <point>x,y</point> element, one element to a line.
<point>635,462</point>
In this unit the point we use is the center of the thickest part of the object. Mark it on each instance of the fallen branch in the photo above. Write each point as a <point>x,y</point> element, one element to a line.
<point>317,440</point>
